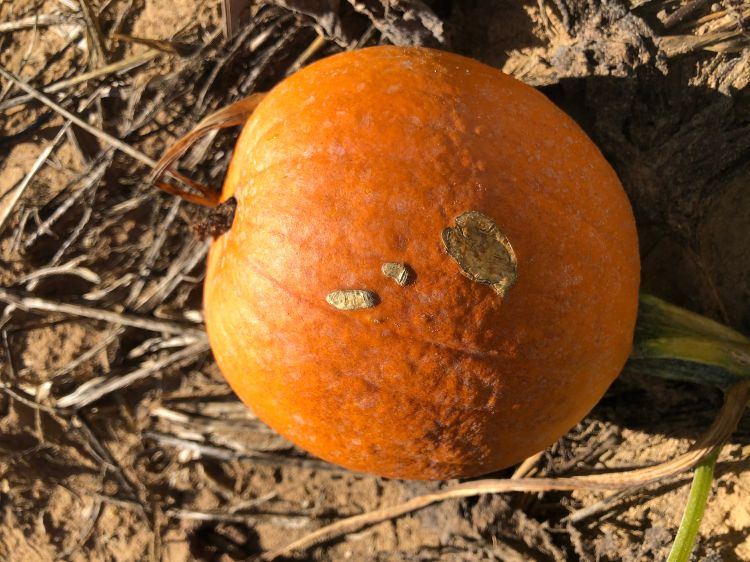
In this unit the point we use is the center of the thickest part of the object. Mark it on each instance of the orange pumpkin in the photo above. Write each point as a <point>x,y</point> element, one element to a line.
<point>511,265</point>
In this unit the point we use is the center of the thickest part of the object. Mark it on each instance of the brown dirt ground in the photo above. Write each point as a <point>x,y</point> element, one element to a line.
<point>105,483</point>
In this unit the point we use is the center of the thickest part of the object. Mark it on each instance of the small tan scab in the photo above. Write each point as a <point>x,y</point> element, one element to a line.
<point>352,299</point>
<point>482,251</point>
<point>399,272</point>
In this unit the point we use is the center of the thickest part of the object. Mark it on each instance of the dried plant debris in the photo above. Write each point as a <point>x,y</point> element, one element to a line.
<point>352,299</point>
<point>332,18</point>
<point>573,39</point>
<point>482,251</point>
<point>608,41</point>
<point>399,272</point>
<point>401,22</point>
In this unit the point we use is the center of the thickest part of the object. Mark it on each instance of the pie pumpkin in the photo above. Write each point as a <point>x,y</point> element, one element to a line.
<point>515,246</point>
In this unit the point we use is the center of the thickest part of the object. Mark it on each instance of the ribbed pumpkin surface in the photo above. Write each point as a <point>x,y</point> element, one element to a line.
<point>365,158</point>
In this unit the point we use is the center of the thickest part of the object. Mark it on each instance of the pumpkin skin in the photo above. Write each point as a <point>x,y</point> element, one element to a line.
<point>364,158</point>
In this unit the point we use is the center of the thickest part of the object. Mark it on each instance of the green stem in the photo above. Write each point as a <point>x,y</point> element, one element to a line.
<point>671,342</point>
<point>696,506</point>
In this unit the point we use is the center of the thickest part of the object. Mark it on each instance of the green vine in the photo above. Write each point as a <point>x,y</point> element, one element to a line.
<point>673,343</point>
<point>684,542</point>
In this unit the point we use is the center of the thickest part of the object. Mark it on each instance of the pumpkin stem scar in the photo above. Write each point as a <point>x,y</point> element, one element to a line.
<point>217,221</point>
<point>352,299</point>
<point>482,251</point>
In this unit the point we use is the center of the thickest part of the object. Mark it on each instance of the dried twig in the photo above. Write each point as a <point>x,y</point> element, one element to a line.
<point>211,406</point>
<point>218,66</point>
<point>317,44</point>
<point>114,68</point>
<point>224,454</point>
<point>527,467</point>
<point>70,268</point>
<point>101,292</point>
<point>28,302</point>
<point>231,12</point>
<point>243,435</point>
<point>193,253</point>
<point>15,239</point>
<point>267,57</point>
<point>85,356</point>
<point>677,45</point>
<point>171,89</point>
<point>97,44</point>
<point>72,237</point>
<point>10,198</point>
<point>732,17</point>
<point>207,516</point>
<point>105,458</point>
<point>97,388</point>
<point>117,143</point>
<point>25,399</point>
<point>260,500</point>
<point>149,258</point>
<point>86,531</point>
<point>249,519</point>
<point>71,41</point>
<point>684,12</point>
<point>365,37</point>
<point>596,508</point>
<point>166,46</point>
<point>40,20</point>
<point>721,429</point>
<point>92,177</point>
<point>157,344</point>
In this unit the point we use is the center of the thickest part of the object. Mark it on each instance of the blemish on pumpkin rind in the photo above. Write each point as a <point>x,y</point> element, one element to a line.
<point>352,299</point>
<point>482,251</point>
<point>399,272</point>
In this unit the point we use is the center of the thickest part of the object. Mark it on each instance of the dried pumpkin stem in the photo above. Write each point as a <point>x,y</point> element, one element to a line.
<point>231,116</point>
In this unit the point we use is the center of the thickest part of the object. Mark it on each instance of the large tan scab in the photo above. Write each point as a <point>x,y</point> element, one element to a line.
<point>482,251</point>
